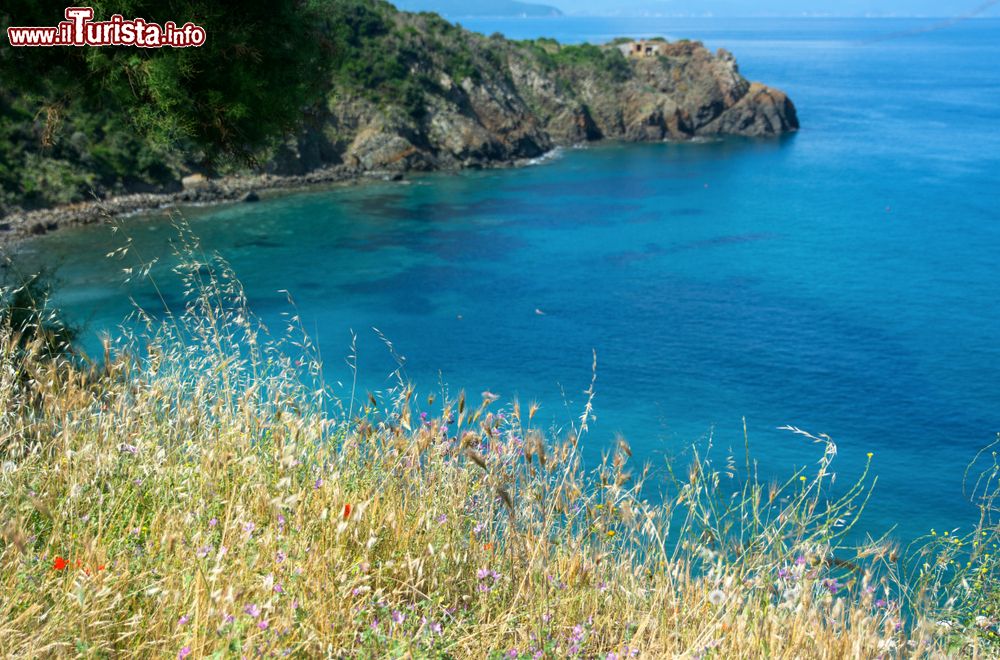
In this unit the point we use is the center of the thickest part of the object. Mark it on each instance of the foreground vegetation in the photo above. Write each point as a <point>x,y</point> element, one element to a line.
<point>201,493</point>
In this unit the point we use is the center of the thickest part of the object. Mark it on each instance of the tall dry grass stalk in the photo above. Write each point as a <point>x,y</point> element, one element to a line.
<point>201,494</point>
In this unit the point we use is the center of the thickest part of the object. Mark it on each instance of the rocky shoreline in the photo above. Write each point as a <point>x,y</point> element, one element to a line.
<point>20,225</point>
<point>229,189</point>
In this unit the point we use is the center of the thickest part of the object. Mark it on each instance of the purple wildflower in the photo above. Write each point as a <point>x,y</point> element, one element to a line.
<point>263,625</point>
<point>213,522</point>
<point>183,653</point>
<point>318,484</point>
<point>183,620</point>
<point>398,617</point>
<point>204,551</point>
<point>252,610</point>
<point>248,528</point>
<point>280,557</point>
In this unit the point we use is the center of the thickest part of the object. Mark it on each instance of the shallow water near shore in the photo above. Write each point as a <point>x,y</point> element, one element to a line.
<point>843,280</point>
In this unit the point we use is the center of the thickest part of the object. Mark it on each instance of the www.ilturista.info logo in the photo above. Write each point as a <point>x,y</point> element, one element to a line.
<point>79,29</point>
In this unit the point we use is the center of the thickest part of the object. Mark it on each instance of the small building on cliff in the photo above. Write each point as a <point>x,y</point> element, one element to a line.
<point>642,49</point>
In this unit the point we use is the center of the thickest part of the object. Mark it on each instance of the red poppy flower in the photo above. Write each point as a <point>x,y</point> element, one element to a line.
<point>347,511</point>
<point>60,564</point>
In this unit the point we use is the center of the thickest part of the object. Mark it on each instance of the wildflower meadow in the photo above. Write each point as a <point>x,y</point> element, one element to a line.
<point>198,491</point>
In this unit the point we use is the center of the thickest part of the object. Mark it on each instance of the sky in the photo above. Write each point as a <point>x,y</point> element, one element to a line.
<point>950,8</point>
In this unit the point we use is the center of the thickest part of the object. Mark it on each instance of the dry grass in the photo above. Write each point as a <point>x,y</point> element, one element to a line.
<point>201,494</point>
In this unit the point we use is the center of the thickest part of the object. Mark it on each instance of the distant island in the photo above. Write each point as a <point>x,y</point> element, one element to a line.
<point>464,8</point>
<point>407,92</point>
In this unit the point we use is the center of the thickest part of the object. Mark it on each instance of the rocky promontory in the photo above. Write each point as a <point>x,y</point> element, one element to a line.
<point>526,98</point>
<point>419,94</point>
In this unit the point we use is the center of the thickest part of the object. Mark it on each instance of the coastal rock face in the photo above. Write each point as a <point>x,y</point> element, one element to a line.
<point>518,100</point>
<point>761,111</point>
<point>416,94</point>
<point>685,93</point>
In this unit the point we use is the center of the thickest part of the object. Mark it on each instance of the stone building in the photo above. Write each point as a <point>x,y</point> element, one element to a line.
<point>643,49</point>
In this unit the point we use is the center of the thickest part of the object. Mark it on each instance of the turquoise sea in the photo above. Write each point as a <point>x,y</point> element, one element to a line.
<point>844,280</point>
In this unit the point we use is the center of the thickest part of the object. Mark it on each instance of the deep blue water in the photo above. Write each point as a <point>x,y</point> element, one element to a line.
<point>844,280</point>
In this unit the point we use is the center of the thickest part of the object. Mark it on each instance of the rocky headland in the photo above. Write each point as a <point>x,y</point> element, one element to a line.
<point>458,100</point>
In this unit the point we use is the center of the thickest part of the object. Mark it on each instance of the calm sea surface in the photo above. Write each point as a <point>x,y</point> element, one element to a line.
<point>844,280</point>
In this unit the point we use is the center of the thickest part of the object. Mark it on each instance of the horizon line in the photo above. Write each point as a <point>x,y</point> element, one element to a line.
<point>720,16</point>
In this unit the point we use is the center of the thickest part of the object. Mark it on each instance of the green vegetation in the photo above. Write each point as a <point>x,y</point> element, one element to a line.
<point>373,56</point>
<point>75,123</point>
<point>248,81</point>
<point>202,494</point>
<point>76,152</point>
<point>25,313</point>
<point>81,121</point>
<point>605,60</point>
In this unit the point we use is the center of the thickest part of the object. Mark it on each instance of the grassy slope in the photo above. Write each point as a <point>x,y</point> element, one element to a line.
<point>204,495</point>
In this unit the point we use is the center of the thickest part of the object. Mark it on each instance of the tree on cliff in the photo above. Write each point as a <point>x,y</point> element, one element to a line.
<point>262,61</point>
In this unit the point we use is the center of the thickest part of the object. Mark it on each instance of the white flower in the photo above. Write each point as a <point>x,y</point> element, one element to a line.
<point>791,594</point>
<point>717,597</point>
<point>887,645</point>
<point>983,622</point>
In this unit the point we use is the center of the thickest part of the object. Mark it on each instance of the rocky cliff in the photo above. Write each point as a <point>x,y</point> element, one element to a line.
<point>515,100</point>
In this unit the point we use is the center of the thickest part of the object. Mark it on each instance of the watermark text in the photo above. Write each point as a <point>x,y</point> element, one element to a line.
<point>80,29</point>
